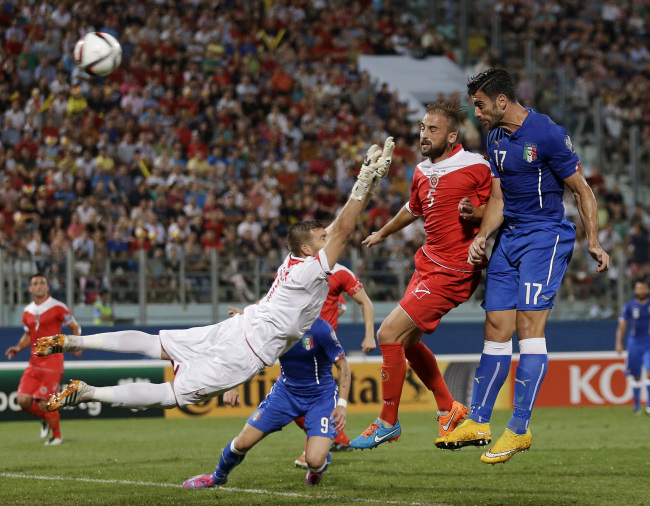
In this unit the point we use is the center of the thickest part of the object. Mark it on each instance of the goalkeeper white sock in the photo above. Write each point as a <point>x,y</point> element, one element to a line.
<point>125,341</point>
<point>141,395</point>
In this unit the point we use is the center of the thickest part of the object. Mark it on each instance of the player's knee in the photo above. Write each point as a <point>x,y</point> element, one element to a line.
<point>385,335</point>
<point>315,461</point>
<point>242,444</point>
<point>24,401</point>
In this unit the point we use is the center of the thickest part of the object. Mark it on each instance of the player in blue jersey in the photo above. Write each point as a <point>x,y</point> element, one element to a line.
<point>306,387</point>
<point>637,311</point>
<point>532,160</point>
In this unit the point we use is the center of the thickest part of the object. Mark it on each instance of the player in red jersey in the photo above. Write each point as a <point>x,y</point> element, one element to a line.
<point>449,190</point>
<point>43,317</point>
<point>342,280</point>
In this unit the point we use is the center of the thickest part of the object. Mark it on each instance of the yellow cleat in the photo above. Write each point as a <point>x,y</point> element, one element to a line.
<point>450,421</point>
<point>468,433</point>
<point>506,446</point>
<point>48,345</point>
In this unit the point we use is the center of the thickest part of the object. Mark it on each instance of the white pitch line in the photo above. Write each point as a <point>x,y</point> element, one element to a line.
<point>225,489</point>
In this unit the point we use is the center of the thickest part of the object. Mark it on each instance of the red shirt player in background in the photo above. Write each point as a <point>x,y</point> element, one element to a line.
<point>43,317</point>
<point>342,280</point>
<point>449,190</point>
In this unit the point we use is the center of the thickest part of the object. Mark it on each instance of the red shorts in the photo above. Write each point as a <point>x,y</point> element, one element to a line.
<point>434,291</point>
<point>38,383</point>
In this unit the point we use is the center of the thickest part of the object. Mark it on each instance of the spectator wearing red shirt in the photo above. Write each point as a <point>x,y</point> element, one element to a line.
<point>27,142</point>
<point>281,81</point>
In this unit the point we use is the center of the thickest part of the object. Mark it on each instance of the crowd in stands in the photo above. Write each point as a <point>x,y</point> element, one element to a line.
<point>228,121</point>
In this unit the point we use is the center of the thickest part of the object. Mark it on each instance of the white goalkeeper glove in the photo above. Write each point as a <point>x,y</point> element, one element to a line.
<point>374,169</point>
<point>383,164</point>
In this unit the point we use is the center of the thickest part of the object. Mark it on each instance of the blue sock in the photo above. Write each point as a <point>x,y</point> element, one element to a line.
<point>528,379</point>
<point>647,385</point>
<point>636,392</point>
<point>492,372</point>
<point>230,458</point>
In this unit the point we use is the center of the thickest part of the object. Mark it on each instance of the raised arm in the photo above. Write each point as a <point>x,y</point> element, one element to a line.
<point>374,169</point>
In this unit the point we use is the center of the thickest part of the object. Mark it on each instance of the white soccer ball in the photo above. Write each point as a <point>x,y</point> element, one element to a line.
<point>98,53</point>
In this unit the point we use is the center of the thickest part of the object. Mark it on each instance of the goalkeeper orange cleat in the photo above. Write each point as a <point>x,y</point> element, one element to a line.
<point>54,344</point>
<point>71,396</point>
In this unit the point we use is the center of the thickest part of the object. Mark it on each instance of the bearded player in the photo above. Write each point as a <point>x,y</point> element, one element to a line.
<point>449,181</point>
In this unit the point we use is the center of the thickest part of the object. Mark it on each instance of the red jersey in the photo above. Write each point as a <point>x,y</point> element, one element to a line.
<point>42,320</point>
<point>436,190</point>
<point>342,279</point>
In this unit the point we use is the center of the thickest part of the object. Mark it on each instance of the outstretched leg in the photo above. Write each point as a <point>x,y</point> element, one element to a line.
<point>124,341</point>
<point>131,395</point>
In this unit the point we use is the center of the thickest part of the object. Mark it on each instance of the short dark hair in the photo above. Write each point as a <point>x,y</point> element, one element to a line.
<point>450,110</point>
<point>38,275</point>
<point>492,82</point>
<point>300,233</point>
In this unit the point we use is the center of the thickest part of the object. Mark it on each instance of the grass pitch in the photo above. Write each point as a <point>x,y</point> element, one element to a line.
<point>579,456</point>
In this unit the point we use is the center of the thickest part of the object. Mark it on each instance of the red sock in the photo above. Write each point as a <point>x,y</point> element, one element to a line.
<point>424,363</point>
<point>393,372</point>
<point>36,409</point>
<point>53,420</point>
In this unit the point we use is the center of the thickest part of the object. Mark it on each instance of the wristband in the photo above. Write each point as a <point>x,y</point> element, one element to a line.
<point>342,402</point>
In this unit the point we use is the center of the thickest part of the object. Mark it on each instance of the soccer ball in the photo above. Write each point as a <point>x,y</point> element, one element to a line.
<point>98,53</point>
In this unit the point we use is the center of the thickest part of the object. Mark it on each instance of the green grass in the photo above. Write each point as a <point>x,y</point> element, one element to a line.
<point>579,456</point>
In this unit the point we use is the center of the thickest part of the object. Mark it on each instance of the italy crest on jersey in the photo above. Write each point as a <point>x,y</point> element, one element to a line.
<point>530,152</point>
<point>307,342</point>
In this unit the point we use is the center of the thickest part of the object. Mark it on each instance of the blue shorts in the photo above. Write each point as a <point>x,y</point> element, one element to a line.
<point>281,407</point>
<point>527,266</point>
<point>638,352</point>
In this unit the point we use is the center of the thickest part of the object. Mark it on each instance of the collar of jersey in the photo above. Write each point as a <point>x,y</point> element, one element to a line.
<point>293,260</point>
<point>523,126</point>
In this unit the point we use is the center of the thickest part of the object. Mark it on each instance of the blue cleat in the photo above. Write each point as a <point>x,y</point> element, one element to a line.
<point>375,435</point>
<point>204,481</point>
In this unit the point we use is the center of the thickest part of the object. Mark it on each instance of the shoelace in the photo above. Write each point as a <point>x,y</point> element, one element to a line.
<point>370,430</point>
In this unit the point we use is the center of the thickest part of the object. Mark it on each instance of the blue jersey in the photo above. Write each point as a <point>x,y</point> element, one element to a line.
<point>532,163</point>
<point>639,315</point>
<point>307,367</point>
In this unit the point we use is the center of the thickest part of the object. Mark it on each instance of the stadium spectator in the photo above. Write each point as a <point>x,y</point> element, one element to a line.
<point>102,312</point>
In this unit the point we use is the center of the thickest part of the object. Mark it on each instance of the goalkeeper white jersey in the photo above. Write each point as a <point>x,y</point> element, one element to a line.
<point>289,308</point>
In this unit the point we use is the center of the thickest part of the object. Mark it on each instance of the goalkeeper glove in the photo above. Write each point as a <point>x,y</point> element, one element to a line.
<point>374,169</point>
